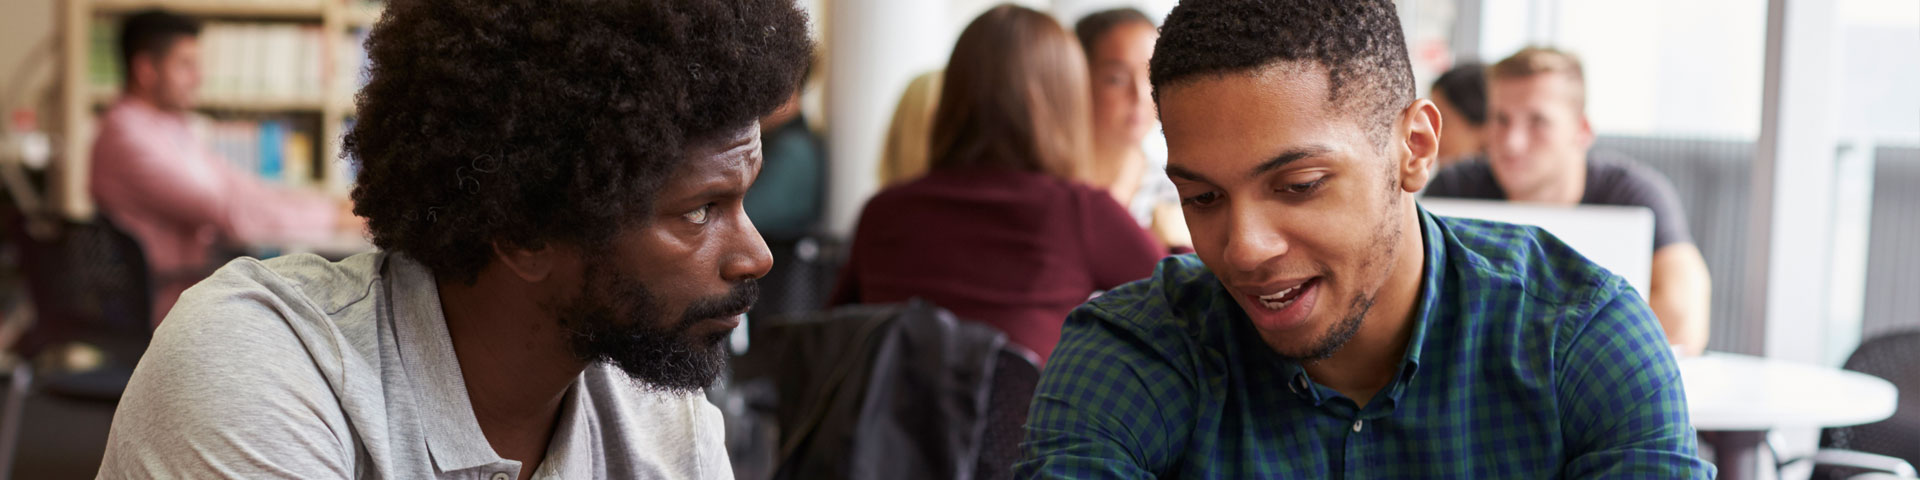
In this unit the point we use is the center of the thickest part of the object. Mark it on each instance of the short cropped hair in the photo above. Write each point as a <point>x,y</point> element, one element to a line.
<point>1359,42</point>
<point>1533,61</point>
<point>152,33</point>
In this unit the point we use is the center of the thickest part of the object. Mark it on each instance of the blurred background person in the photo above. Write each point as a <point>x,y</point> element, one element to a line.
<point>785,200</point>
<point>153,177</point>
<point>1539,151</point>
<point>1001,230</point>
<point>905,155</point>
<point>1118,43</point>
<point>786,203</point>
<point>1461,96</point>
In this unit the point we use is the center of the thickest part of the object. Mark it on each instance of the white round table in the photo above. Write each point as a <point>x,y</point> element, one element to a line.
<point>1734,400</point>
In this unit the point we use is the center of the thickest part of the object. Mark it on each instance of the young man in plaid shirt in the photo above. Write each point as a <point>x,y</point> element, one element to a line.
<point>1329,327</point>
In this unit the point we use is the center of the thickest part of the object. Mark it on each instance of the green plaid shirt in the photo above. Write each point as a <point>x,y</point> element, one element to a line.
<point>1526,361</point>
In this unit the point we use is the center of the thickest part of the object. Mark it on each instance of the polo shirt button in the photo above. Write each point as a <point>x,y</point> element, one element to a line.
<point>1299,384</point>
<point>501,476</point>
<point>1356,425</point>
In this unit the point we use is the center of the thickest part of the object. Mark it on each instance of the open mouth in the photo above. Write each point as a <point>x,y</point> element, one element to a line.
<point>1282,299</point>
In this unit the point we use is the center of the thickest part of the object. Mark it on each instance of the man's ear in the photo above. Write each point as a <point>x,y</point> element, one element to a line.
<point>1421,121</point>
<point>1586,132</point>
<point>142,72</point>
<point>530,264</point>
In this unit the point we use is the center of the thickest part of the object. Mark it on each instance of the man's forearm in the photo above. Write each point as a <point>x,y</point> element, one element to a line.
<point>1682,296</point>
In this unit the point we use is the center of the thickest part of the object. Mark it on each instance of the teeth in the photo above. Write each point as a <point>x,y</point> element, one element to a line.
<point>1276,305</point>
<point>1280,294</point>
<point>1273,302</point>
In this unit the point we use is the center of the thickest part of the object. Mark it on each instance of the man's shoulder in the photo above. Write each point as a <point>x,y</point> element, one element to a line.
<point>251,357</point>
<point>298,312</point>
<point>1521,273</point>
<point>303,286</point>
<point>1494,258</point>
<point>663,434</point>
<point>1168,313</point>
<point>1617,178</point>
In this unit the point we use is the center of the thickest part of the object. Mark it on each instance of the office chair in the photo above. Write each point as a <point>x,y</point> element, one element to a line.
<point>1887,448</point>
<point>88,284</point>
<point>1016,373</point>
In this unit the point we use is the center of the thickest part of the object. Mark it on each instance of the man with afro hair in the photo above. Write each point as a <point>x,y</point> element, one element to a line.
<point>555,187</point>
<point>1327,326</point>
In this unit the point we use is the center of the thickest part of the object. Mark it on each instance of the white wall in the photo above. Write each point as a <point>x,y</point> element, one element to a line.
<point>25,25</point>
<point>1653,66</point>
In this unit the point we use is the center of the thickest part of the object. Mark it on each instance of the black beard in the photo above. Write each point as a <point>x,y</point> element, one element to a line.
<point>1338,335</point>
<point>623,329</point>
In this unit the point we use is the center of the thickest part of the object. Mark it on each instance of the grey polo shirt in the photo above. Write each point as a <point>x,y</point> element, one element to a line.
<point>298,367</point>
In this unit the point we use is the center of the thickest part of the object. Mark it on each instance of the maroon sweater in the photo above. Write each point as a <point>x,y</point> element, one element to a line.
<point>1016,250</point>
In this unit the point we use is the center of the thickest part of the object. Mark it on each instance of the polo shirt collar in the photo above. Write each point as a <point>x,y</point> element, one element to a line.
<point>445,410</point>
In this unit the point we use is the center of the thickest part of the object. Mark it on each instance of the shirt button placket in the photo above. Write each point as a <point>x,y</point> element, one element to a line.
<point>1357,449</point>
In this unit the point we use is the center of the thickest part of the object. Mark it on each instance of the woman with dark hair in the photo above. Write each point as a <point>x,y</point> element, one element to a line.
<point>1129,156</point>
<point>1001,230</point>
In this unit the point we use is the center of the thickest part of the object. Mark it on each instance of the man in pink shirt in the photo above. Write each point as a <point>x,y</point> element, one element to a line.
<point>154,178</point>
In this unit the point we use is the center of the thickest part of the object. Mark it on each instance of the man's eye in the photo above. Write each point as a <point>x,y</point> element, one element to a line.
<point>1200,200</point>
<point>1304,188</point>
<point>699,215</point>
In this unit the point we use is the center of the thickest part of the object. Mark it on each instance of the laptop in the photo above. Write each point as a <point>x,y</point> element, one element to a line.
<point>1618,238</point>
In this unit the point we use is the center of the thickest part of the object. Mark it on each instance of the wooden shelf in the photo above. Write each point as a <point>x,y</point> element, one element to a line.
<point>80,101</point>
<point>242,104</point>
<point>362,16</point>
<point>236,104</point>
<point>277,9</point>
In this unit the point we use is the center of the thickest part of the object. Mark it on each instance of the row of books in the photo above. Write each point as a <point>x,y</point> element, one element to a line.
<point>239,61</point>
<point>276,149</point>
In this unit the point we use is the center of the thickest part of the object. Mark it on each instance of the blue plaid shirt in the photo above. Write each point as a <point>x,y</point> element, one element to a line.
<point>1526,361</point>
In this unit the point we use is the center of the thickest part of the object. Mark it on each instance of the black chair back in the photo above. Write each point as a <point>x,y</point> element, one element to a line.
<point>1015,376</point>
<point>85,280</point>
<point>1896,358</point>
<point>89,284</point>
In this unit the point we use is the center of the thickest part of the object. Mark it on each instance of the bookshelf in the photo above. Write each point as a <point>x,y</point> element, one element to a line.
<point>300,66</point>
<point>257,9</point>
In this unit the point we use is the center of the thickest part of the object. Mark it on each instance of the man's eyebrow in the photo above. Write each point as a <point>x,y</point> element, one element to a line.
<point>1177,171</point>
<point>1289,156</point>
<point>709,190</point>
<point>1281,160</point>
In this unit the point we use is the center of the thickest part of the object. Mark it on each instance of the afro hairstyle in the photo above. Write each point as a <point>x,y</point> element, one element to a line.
<point>524,122</point>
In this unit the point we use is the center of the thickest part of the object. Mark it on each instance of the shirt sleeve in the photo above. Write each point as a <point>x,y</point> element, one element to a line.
<point>1117,249</point>
<point>1100,409</point>
<point>226,390</point>
<point>142,176</point>
<point>1644,186</point>
<point>258,212</point>
<point>1625,409</point>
